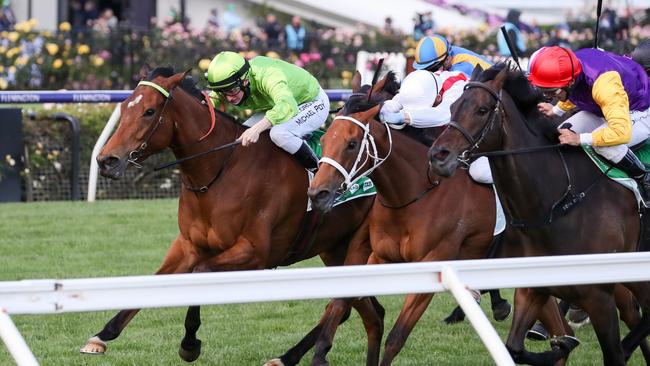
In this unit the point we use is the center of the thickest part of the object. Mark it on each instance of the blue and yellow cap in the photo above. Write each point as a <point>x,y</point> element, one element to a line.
<point>430,51</point>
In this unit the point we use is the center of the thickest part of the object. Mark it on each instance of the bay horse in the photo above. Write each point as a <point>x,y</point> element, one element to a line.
<point>239,208</point>
<point>555,200</point>
<point>416,217</point>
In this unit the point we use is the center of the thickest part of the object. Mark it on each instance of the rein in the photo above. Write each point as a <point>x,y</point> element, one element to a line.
<point>560,207</point>
<point>135,154</point>
<point>368,143</point>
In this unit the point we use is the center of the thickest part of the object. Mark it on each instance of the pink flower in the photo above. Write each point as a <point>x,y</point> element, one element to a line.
<point>299,63</point>
<point>304,58</point>
<point>329,63</point>
<point>314,56</point>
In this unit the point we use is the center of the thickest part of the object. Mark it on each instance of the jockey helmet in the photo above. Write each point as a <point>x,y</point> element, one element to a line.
<point>431,52</point>
<point>227,72</point>
<point>419,89</point>
<point>554,67</point>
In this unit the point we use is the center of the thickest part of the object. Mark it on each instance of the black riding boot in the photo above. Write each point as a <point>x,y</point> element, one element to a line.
<point>307,158</point>
<point>633,167</point>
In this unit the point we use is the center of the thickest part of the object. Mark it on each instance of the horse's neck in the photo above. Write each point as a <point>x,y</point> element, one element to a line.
<point>403,175</point>
<point>192,122</point>
<point>528,183</point>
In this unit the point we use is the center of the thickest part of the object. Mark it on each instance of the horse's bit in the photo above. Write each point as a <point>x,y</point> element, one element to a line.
<point>474,142</point>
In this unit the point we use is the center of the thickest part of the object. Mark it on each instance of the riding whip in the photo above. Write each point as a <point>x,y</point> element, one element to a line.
<point>511,47</point>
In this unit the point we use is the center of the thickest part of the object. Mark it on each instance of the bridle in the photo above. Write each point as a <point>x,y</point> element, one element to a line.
<point>368,149</point>
<point>474,141</point>
<point>134,155</point>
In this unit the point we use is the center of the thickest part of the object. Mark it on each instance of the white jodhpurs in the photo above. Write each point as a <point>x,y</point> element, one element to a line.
<point>480,171</point>
<point>289,135</point>
<point>585,122</point>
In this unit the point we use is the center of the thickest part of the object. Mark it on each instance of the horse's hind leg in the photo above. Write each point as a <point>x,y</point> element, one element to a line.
<point>174,262</point>
<point>413,308</point>
<point>629,313</point>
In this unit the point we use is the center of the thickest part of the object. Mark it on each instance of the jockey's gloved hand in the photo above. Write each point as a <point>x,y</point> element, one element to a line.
<point>397,118</point>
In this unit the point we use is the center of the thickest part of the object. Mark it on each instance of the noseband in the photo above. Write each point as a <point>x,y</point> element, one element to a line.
<point>474,142</point>
<point>367,144</point>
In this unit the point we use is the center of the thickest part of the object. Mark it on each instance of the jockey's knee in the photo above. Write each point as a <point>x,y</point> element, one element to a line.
<point>479,170</point>
<point>612,153</point>
<point>285,139</point>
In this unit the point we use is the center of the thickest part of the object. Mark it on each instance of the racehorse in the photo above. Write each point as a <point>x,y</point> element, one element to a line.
<point>415,217</point>
<point>556,202</point>
<point>239,208</point>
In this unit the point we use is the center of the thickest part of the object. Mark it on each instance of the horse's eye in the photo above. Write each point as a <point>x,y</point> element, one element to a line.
<point>149,112</point>
<point>352,145</point>
<point>482,111</point>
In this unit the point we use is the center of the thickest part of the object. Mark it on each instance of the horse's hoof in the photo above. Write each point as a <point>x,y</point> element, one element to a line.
<point>537,333</point>
<point>577,318</point>
<point>94,346</point>
<point>501,311</point>
<point>566,342</point>
<point>274,362</point>
<point>190,353</point>
<point>456,316</point>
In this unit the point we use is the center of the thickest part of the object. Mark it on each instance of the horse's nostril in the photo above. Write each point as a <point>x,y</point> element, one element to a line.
<point>441,155</point>
<point>108,162</point>
<point>438,154</point>
<point>322,195</point>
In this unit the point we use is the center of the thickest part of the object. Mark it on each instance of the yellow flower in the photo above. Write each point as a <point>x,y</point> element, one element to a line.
<point>83,49</point>
<point>57,63</point>
<point>21,61</point>
<point>2,50</point>
<point>96,60</point>
<point>39,60</point>
<point>346,75</point>
<point>23,27</point>
<point>65,27</point>
<point>13,52</point>
<point>3,84</point>
<point>12,69</point>
<point>69,62</point>
<point>2,69</point>
<point>203,64</point>
<point>33,22</point>
<point>52,48</point>
<point>13,36</point>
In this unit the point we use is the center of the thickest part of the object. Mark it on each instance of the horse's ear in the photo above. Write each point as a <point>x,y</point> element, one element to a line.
<point>356,82</point>
<point>478,70</point>
<point>379,86</point>
<point>144,71</point>
<point>500,79</point>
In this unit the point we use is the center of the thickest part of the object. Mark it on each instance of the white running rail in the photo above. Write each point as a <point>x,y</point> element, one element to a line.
<point>92,294</point>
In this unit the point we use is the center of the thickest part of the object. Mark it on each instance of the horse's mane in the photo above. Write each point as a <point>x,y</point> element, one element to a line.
<point>525,96</point>
<point>188,83</point>
<point>358,102</point>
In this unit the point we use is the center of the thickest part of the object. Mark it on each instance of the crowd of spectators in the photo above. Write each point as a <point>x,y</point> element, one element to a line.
<point>86,53</point>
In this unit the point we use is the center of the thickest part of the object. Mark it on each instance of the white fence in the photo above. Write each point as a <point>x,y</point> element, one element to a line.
<point>92,294</point>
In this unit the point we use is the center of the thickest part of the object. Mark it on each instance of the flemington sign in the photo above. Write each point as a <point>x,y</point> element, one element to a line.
<point>90,96</point>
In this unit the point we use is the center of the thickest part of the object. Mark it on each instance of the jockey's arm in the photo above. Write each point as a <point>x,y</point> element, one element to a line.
<point>438,115</point>
<point>609,94</point>
<point>562,107</point>
<point>285,104</point>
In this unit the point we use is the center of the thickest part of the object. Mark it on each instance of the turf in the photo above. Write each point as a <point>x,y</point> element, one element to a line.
<point>117,238</point>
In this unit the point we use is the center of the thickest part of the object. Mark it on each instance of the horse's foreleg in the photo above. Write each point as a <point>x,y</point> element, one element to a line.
<point>529,304</point>
<point>629,313</point>
<point>174,262</point>
<point>413,308</point>
<point>601,307</point>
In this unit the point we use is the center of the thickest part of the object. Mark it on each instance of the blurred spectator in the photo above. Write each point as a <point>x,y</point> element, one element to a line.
<point>273,30</point>
<point>295,34</point>
<point>90,13</point>
<point>560,37</point>
<point>231,20</point>
<point>77,18</point>
<point>641,55</point>
<point>7,17</point>
<point>512,26</point>
<point>107,22</point>
<point>213,19</point>
<point>388,29</point>
<point>423,25</point>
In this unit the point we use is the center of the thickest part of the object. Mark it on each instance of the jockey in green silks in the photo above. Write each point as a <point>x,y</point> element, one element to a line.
<point>285,99</point>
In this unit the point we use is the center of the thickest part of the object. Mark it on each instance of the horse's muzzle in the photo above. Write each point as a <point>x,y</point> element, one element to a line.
<point>322,199</point>
<point>111,166</point>
<point>442,161</point>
